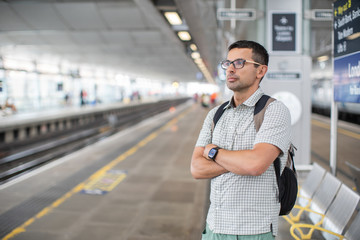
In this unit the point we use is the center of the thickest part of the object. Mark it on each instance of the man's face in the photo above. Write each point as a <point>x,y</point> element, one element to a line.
<point>246,77</point>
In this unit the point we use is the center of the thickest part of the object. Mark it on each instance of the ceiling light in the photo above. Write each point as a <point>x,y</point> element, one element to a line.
<point>198,60</point>
<point>193,47</point>
<point>195,55</point>
<point>323,58</point>
<point>173,18</point>
<point>184,36</point>
<point>175,85</point>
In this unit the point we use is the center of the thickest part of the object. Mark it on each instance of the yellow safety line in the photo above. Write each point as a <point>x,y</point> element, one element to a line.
<point>340,130</point>
<point>101,171</point>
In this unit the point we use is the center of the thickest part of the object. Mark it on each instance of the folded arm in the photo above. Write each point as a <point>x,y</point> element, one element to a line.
<point>203,167</point>
<point>252,162</point>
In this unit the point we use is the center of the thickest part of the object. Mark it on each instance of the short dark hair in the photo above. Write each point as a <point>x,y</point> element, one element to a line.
<point>259,53</point>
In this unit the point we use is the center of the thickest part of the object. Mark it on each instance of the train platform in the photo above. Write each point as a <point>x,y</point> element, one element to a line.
<point>26,117</point>
<point>24,128</point>
<point>31,116</point>
<point>134,185</point>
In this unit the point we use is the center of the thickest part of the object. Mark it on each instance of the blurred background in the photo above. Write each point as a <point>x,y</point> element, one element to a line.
<point>58,53</point>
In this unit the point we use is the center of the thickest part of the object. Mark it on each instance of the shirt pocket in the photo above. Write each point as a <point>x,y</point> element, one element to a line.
<point>244,136</point>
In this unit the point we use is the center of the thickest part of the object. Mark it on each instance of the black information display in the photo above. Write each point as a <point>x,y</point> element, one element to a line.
<point>346,27</point>
<point>283,32</point>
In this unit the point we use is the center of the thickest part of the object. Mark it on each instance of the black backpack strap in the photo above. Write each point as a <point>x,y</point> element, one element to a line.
<point>261,103</point>
<point>218,113</point>
<point>259,111</point>
<point>277,170</point>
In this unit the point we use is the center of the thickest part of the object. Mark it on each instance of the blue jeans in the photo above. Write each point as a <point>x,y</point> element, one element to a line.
<point>209,235</point>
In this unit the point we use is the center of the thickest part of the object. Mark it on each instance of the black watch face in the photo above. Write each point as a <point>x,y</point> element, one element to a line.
<point>212,153</point>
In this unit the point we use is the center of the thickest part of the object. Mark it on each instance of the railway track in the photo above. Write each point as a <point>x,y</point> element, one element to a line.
<point>344,116</point>
<point>17,159</point>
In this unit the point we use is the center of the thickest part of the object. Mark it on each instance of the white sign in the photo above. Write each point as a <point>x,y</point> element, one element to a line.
<point>237,14</point>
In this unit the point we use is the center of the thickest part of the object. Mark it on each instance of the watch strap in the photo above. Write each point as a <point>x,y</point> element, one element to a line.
<point>217,149</point>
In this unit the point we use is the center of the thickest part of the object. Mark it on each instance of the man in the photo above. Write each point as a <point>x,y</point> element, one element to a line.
<point>244,192</point>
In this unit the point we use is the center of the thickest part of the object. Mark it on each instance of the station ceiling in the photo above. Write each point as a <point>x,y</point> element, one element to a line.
<point>129,36</point>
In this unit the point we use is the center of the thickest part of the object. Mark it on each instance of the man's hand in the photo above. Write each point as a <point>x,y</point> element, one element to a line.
<point>202,167</point>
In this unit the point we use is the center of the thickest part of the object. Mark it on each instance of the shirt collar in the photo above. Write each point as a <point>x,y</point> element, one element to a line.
<point>250,102</point>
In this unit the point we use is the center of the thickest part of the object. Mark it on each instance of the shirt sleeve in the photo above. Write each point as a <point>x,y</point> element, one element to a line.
<point>276,127</point>
<point>205,136</point>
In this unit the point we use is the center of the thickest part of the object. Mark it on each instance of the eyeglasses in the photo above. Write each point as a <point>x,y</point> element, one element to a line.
<point>238,63</point>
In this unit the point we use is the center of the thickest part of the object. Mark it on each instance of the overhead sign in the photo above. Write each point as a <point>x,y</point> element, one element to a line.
<point>237,14</point>
<point>283,75</point>
<point>347,51</point>
<point>283,32</point>
<point>322,14</point>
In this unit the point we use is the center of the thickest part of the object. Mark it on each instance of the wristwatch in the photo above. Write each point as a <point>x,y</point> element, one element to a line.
<point>213,152</point>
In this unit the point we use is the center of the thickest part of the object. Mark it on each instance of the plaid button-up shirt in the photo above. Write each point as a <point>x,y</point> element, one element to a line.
<point>246,205</point>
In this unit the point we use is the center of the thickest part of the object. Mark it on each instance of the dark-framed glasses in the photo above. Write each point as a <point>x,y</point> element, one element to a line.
<point>237,63</point>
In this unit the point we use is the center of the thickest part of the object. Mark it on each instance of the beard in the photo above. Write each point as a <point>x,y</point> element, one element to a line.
<point>236,84</point>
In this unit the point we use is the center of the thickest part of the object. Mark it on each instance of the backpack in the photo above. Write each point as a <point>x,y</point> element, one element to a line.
<point>287,180</point>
